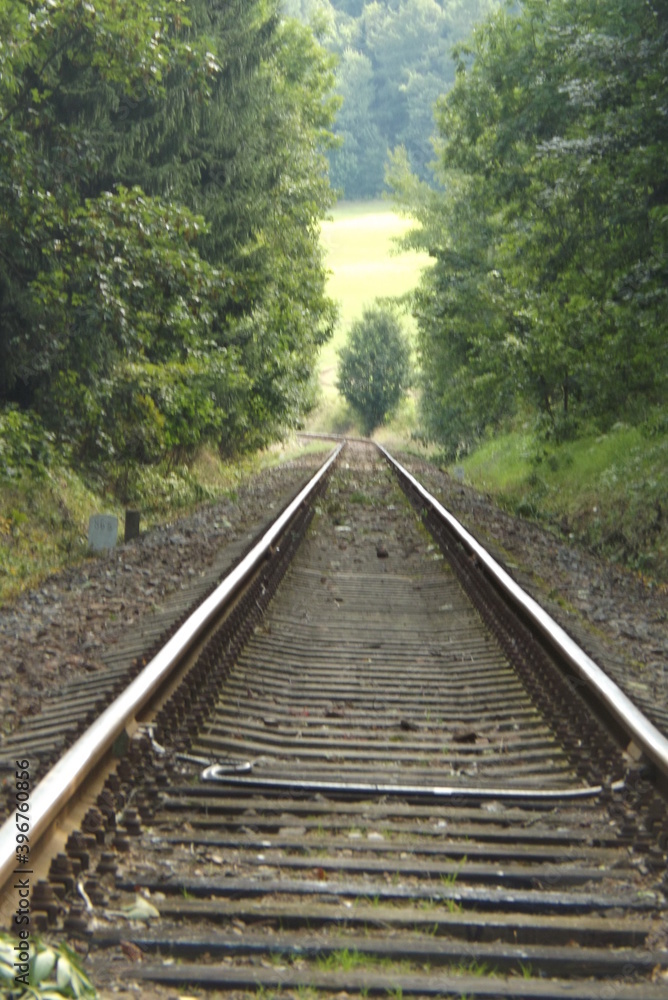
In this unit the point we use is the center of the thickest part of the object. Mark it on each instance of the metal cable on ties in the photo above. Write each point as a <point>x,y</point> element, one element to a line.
<point>216,772</point>
<point>221,766</point>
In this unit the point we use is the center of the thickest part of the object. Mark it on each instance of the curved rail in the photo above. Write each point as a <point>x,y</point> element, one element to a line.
<point>71,770</point>
<point>646,736</point>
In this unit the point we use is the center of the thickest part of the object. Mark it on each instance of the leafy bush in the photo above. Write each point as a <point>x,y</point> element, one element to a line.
<point>156,489</point>
<point>55,972</point>
<point>656,424</point>
<point>25,444</point>
<point>374,367</point>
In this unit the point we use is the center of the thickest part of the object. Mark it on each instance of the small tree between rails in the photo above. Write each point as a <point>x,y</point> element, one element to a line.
<point>374,366</point>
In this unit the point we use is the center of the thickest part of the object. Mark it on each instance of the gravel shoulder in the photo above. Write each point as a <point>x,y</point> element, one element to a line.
<point>57,632</point>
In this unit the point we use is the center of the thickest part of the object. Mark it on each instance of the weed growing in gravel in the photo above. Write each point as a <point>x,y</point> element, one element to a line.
<point>262,993</point>
<point>342,961</point>
<point>368,901</point>
<point>473,968</point>
<point>361,498</point>
<point>347,960</point>
<point>449,880</point>
<point>306,993</point>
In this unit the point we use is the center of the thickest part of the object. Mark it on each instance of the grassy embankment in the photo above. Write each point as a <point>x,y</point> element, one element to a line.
<point>605,490</point>
<point>44,515</point>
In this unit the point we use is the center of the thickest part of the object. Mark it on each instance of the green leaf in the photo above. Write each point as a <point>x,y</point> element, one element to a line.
<point>64,973</point>
<point>43,964</point>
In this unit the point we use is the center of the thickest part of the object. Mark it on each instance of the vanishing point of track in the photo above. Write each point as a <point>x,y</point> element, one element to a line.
<point>366,764</point>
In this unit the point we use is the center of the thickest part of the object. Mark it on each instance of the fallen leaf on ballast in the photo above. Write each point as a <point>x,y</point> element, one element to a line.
<point>141,909</point>
<point>132,951</point>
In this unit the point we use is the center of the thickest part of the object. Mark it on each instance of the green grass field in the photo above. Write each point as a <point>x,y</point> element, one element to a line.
<point>364,265</point>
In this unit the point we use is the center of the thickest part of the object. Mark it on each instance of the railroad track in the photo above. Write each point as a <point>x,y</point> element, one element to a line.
<point>66,713</point>
<point>383,771</point>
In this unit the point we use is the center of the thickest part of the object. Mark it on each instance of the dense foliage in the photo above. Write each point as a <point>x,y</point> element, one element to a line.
<point>55,973</point>
<point>549,291</point>
<point>395,60</point>
<point>162,177</point>
<point>374,366</point>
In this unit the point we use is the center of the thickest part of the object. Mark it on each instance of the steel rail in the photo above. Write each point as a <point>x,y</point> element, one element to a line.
<point>57,786</point>
<point>645,735</point>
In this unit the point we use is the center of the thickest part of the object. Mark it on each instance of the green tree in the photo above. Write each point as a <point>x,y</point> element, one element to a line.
<point>161,181</point>
<point>394,61</point>
<point>374,366</point>
<point>548,290</point>
<point>50,53</point>
<point>357,164</point>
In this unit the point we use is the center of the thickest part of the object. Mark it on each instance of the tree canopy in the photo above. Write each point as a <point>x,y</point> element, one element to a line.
<point>549,290</point>
<point>162,175</point>
<point>395,60</point>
